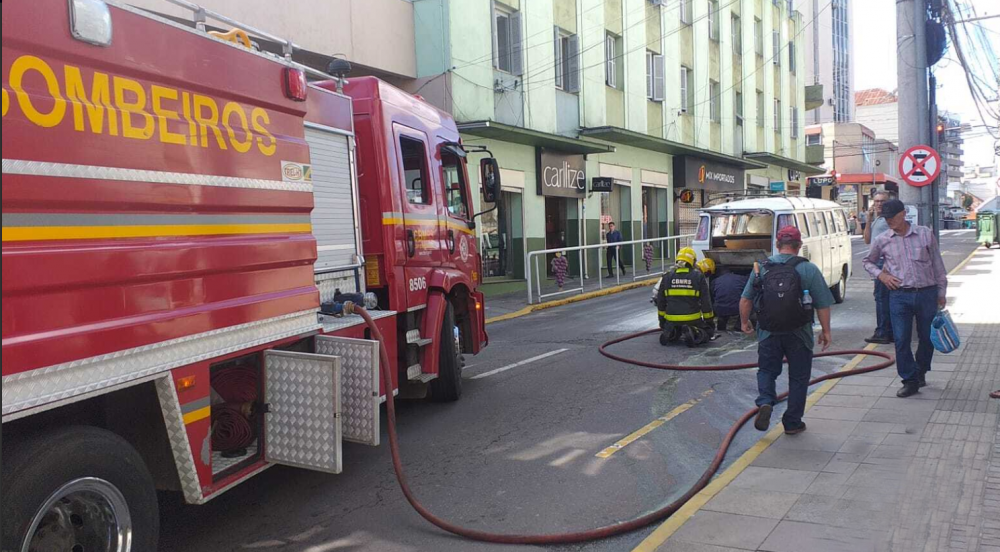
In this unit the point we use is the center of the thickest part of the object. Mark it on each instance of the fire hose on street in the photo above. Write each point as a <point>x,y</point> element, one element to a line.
<point>617,528</point>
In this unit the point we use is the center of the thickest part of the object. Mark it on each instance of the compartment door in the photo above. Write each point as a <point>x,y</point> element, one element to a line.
<point>302,424</point>
<point>360,394</point>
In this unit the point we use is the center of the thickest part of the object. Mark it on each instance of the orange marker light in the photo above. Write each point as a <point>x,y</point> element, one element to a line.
<point>184,384</point>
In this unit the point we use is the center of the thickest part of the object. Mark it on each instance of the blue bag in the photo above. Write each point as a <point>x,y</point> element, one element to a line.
<point>944,334</point>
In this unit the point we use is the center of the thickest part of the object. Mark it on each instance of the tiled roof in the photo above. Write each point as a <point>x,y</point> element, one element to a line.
<point>875,96</point>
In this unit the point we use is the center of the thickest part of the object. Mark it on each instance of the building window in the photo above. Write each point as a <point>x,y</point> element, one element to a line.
<point>714,24</point>
<point>737,36</point>
<point>758,36</point>
<point>791,57</point>
<point>612,49</point>
<point>739,109</point>
<point>507,45</point>
<point>842,95</point>
<point>760,109</point>
<point>715,101</point>
<point>654,76</point>
<point>776,36</point>
<point>814,140</point>
<point>795,123</point>
<point>777,116</point>
<point>567,65</point>
<point>687,11</point>
<point>687,91</point>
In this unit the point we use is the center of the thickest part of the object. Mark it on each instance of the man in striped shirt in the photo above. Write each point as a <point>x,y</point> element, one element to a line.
<point>918,287</point>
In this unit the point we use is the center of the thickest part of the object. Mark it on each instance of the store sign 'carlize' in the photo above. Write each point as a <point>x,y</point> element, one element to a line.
<point>561,175</point>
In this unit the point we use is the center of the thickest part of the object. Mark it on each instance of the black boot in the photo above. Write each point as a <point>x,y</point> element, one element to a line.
<point>909,389</point>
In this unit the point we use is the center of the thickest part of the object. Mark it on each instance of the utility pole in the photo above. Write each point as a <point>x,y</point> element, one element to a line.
<point>914,120</point>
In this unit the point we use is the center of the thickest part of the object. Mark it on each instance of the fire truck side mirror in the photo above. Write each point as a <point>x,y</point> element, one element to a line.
<point>489,171</point>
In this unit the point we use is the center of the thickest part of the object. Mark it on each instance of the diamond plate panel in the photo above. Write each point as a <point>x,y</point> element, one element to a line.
<point>180,446</point>
<point>62,170</point>
<point>82,377</point>
<point>303,425</point>
<point>328,285</point>
<point>333,324</point>
<point>359,377</point>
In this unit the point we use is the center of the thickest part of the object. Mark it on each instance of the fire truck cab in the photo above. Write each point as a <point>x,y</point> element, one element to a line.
<point>185,217</point>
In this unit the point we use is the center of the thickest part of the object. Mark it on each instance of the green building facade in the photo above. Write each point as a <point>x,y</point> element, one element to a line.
<point>650,97</point>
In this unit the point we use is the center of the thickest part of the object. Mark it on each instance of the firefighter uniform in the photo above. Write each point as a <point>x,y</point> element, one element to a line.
<point>685,298</point>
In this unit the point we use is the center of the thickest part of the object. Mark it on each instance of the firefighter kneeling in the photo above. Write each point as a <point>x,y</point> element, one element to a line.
<point>685,303</point>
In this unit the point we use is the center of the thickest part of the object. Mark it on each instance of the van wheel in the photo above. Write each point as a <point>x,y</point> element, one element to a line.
<point>448,385</point>
<point>840,290</point>
<point>78,488</point>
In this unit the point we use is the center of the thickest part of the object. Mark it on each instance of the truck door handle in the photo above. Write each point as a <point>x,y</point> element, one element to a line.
<point>451,241</point>
<point>411,243</point>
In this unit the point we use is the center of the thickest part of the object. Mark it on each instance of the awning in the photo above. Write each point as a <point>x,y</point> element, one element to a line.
<point>772,159</point>
<point>524,136</point>
<point>644,141</point>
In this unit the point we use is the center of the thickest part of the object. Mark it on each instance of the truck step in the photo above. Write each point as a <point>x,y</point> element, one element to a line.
<point>413,338</point>
<point>416,373</point>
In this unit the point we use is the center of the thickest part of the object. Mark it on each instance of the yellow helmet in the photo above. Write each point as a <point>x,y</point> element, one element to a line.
<point>707,266</point>
<point>687,255</point>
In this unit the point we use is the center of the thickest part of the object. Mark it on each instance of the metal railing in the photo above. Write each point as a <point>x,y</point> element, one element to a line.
<point>667,250</point>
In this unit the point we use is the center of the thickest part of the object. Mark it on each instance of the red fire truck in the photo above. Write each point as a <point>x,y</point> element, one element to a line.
<point>184,216</point>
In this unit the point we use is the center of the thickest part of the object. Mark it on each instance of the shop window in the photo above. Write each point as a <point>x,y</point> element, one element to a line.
<point>454,185</point>
<point>415,171</point>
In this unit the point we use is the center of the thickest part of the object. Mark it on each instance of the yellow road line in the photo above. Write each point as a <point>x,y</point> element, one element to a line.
<point>610,451</point>
<point>672,525</point>
<point>562,302</point>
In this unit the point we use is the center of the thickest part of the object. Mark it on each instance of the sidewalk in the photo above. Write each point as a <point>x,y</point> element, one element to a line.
<point>874,473</point>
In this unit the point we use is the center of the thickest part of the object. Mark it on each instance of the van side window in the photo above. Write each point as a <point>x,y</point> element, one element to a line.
<point>786,220</point>
<point>703,229</point>
<point>414,153</point>
<point>841,217</point>
<point>832,224</point>
<point>803,227</point>
<point>454,186</point>
<point>818,223</point>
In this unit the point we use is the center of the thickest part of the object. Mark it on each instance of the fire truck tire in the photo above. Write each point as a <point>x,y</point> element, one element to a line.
<point>448,385</point>
<point>73,483</point>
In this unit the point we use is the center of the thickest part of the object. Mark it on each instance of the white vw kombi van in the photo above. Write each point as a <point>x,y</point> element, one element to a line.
<point>740,233</point>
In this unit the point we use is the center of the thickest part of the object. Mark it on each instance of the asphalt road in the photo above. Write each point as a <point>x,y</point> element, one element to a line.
<point>518,454</point>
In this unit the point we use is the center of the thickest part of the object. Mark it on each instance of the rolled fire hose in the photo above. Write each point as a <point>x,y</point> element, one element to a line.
<point>610,530</point>
<point>232,429</point>
<point>236,385</point>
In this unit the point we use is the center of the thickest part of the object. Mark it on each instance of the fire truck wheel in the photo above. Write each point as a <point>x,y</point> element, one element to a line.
<point>448,385</point>
<point>77,488</point>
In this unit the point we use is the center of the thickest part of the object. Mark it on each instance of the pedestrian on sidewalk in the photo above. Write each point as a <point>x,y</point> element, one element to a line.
<point>852,224</point>
<point>883,318</point>
<point>918,288</point>
<point>786,293</point>
<point>614,236</point>
<point>560,269</point>
<point>863,218</point>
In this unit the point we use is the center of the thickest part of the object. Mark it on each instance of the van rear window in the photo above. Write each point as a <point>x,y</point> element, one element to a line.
<point>743,224</point>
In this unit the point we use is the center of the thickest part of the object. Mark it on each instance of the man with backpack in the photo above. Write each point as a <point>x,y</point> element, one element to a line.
<point>786,293</point>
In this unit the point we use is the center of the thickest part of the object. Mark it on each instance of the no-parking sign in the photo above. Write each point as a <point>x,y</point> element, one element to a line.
<point>920,165</point>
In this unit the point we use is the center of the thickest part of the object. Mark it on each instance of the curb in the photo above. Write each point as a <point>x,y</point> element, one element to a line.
<point>579,298</point>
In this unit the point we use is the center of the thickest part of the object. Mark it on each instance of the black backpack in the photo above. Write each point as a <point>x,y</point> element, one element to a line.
<point>779,298</point>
